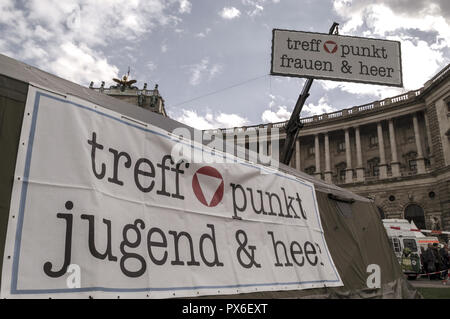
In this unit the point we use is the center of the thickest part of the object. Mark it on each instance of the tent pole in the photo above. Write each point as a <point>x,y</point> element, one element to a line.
<point>294,125</point>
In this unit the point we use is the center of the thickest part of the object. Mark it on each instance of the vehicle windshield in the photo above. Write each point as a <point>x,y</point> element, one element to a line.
<point>410,243</point>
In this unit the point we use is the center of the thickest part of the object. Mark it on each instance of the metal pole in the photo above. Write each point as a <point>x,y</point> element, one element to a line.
<point>294,125</point>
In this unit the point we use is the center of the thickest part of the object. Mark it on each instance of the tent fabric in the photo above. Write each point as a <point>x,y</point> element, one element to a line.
<point>354,242</point>
<point>13,95</point>
<point>353,231</point>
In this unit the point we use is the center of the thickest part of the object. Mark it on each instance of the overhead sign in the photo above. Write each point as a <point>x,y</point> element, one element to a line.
<point>100,208</point>
<point>336,57</point>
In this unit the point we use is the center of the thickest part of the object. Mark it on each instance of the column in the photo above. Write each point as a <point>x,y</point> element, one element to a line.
<point>382,165</point>
<point>348,157</point>
<point>297,155</point>
<point>419,159</point>
<point>317,155</point>
<point>359,162</point>
<point>239,143</point>
<point>328,174</point>
<point>427,126</point>
<point>395,165</point>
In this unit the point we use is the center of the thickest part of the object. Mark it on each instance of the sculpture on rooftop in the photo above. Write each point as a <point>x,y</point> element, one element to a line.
<point>124,82</point>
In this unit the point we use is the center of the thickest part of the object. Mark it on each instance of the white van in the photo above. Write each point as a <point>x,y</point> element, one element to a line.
<point>398,231</point>
<point>402,235</point>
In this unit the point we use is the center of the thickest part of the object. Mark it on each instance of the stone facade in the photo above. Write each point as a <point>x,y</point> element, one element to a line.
<point>395,151</point>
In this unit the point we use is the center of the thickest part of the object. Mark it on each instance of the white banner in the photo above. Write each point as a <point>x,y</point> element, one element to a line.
<point>336,57</point>
<point>99,208</point>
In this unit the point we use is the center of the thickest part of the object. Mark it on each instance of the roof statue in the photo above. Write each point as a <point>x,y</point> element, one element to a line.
<point>124,82</point>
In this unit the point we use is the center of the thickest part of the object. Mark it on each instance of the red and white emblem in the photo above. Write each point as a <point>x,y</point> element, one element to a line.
<point>330,46</point>
<point>208,186</point>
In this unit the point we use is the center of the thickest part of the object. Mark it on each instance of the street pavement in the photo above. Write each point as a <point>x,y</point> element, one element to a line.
<point>424,282</point>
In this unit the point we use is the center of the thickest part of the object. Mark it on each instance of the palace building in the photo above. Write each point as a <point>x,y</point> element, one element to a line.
<point>395,151</point>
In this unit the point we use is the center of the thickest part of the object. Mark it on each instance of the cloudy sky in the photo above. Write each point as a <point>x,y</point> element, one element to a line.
<point>211,59</point>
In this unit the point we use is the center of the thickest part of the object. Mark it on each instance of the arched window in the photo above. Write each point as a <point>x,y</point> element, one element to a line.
<point>416,214</point>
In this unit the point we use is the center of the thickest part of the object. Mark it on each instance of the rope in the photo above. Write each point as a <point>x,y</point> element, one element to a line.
<point>444,281</point>
<point>221,90</point>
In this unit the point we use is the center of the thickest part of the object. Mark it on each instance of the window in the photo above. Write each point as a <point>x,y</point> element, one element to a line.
<point>341,147</point>
<point>340,171</point>
<point>410,159</point>
<point>376,171</point>
<point>412,165</point>
<point>373,140</point>
<point>310,170</point>
<point>396,245</point>
<point>410,243</point>
<point>342,174</point>
<point>311,150</point>
<point>372,167</point>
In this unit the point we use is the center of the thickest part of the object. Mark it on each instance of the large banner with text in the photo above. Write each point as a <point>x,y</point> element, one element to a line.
<point>101,207</point>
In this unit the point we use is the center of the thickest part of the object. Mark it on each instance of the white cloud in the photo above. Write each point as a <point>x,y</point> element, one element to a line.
<point>185,6</point>
<point>32,51</point>
<point>277,111</point>
<point>321,108</point>
<point>203,34</point>
<point>215,69</point>
<point>210,121</point>
<point>151,66</point>
<point>256,11</point>
<point>282,114</point>
<point>256,7</point>
<point>197,71</point>
<point>203,68</point>
<point>41,31</point>
<point>77,63</point>
<point>229,13</point>
<point>230,120</point>
<point>377,91</point>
